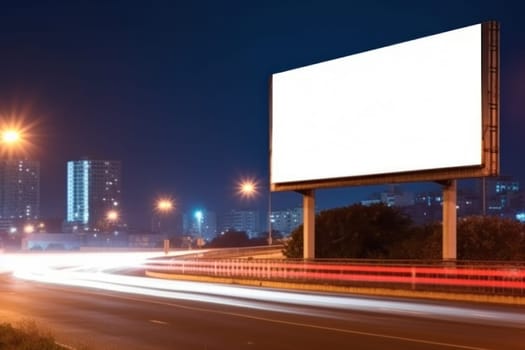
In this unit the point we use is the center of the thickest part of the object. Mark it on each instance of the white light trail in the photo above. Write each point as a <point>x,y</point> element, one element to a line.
<point>17,262</point>
<point>87,270</point>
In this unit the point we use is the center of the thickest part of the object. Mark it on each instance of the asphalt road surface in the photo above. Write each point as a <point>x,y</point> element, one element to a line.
<point>104,311</point>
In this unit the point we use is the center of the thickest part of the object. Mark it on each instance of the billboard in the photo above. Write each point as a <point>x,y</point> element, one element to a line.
<point>425,109</point>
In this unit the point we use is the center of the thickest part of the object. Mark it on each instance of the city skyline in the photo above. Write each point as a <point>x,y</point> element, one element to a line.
<point>179,93</point>
<point>94,204</point>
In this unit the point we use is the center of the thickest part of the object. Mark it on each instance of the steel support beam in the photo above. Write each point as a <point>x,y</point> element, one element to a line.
<point>449,220</point>
<point>308,224</point>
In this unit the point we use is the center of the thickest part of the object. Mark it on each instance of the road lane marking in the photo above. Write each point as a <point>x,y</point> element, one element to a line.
<point>297,324</point>
<point>65,346</point>
<point>158,322</point>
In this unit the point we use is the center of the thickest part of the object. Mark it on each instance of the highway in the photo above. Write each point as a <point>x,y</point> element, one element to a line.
<point>98,310</point>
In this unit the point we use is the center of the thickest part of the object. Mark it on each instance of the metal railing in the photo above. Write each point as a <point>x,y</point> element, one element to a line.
<point>471,277</point>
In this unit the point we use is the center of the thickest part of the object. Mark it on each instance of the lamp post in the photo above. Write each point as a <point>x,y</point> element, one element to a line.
<point>164,206</point>
<point>13,138</point>
<point>10,136</point>
<point>249,188</point>
<point>29,228</point>
<point>269,217</point>
<point>112,217</point>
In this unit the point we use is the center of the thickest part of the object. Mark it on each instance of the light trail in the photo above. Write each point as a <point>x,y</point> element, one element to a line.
<point>88,270</point>
<point>510,278</point>
<point>32,262</point>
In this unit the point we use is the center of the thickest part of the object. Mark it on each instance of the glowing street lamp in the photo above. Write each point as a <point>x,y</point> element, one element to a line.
<point>112,216</point>
<point>198,215</point>
<point>164,205</point>
<point>13,137</point>
<point>198,218</point>
<point>112,221</point>
<point>11,140</point>
<point>10,136</point>
<point>248,188</point>
<point>29,228</point>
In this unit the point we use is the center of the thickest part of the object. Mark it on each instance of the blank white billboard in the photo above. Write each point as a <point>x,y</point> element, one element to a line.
<point>413,106</point>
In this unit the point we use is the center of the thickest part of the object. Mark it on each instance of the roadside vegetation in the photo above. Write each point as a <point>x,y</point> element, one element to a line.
<point>382,232</point>
<point>26,336</point>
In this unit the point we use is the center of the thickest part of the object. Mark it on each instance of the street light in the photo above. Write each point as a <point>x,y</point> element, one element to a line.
<point>163,206</point>
<point>112,216</point>
<point>10,136</point>
<point>29,228</point>
<point>249,188</point>
<point>13,138</point>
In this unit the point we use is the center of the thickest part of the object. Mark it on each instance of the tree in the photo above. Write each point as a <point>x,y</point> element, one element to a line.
<point>420,242</point>
<point>262,238</point>
<point>355,231</point>
<point>490,238</point>
<point>230,238</point>
<point>481,238</point>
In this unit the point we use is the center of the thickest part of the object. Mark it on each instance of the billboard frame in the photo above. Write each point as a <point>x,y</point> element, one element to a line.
<point>490,119</point>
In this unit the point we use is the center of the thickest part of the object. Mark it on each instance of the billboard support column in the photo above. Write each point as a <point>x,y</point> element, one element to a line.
<point>308,224</point>
<point>449,220</point>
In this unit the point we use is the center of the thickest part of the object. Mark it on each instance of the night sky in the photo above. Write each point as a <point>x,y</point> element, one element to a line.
<point>178,90</point>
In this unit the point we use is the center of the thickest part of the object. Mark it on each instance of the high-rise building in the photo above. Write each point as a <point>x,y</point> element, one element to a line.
<point>285,221</point>
<point>19,190</point>
<point>502,196</point>
<point>93,190</point>
<point>394,196</point>
<point>242,220</point>
<point>200,223</point>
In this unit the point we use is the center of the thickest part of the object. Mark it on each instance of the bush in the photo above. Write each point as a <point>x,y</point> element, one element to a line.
<point>490,238</point>
<point>230,239</point>
<point>381,232</point>
<point>356,231</point>
<point>25,337</point>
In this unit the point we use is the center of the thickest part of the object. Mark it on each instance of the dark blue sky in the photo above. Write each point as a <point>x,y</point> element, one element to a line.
<point>178,90</point>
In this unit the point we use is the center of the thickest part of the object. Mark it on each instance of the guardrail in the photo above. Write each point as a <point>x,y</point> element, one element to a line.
<point>231,253</point>
<point>470,277</point>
